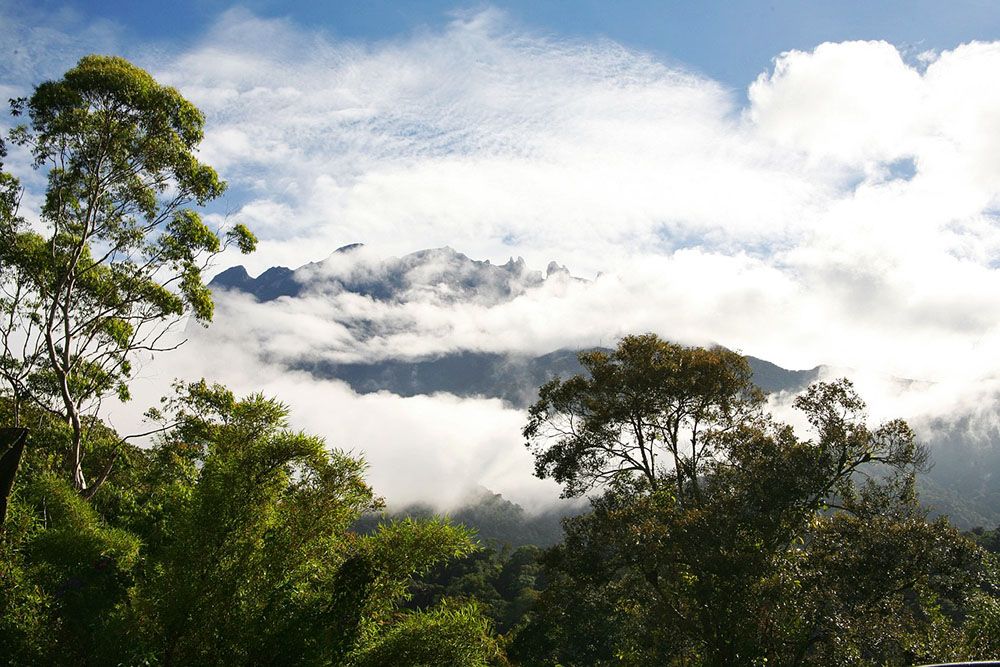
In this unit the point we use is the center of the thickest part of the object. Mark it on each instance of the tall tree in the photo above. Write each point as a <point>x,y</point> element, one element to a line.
<point>230,541</point>
<point>122,253</point>
<point>647,410</point>
<point>765,548</point>
<point>261,565</point>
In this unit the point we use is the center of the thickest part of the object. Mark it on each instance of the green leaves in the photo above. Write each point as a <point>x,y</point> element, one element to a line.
<point>628,415</point>
<point>262,564</point>
<point>767,548</point>
<point>451,635</point>
<point>185,235</point>
<point>123,256</point>
<point>86,566</point>
<point>119,118</point>
<point>243,238</point>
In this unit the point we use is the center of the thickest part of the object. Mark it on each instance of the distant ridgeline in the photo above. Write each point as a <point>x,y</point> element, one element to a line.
<point>495,519</point>
<point>394,279</point>
<point>960,484</point>
<point>514,378</point>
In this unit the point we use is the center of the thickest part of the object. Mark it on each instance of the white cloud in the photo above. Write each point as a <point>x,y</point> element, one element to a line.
<point>485,138</point>
<point>850,101</point>
<point>39,44</point>
<point>419,449</point>
<point>847,215</point>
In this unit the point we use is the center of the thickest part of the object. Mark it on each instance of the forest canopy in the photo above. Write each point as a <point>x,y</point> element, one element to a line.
<point>715,535</point>
<point>721,536</point>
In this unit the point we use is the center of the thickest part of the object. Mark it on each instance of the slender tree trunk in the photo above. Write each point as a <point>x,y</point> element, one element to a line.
<point>79,481</point>
<point>695,487</point>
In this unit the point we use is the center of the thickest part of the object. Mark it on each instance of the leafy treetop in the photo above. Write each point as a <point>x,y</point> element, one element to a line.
<point>122,254</point>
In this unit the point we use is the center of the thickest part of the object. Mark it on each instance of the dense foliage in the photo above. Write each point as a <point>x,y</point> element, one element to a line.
<point>750,545</point>
<point>715,535</point>
<point>229,542</point>
<point>120,252</point>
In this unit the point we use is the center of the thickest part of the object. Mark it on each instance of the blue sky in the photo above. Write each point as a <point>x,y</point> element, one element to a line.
<point>728,40</point>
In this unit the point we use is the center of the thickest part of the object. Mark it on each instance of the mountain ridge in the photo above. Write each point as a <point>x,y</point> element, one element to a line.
<point>511,377</point>
<point>959,486</point>
<point>390,279</point>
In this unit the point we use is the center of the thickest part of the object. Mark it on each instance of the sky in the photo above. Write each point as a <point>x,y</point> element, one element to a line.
<point>731,41</point>
<point>811,183</point>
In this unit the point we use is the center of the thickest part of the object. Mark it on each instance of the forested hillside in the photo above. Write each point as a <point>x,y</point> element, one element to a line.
<point>705,530</point>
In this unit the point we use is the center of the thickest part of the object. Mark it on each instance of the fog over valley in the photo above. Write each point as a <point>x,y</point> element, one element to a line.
<point>426,364</point>
<point>506,334</point>
<point>838,210</point>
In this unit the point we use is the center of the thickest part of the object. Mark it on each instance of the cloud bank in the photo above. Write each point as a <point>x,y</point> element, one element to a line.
<point>846,214</point>
<point>852,205</point>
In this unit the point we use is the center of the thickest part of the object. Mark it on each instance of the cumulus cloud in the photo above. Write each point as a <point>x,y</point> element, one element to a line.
<point>709,219</point>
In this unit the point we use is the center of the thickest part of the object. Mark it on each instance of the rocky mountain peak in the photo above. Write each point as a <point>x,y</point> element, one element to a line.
<point>441,274</point>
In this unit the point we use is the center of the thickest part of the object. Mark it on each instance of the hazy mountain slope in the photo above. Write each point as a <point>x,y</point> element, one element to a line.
<point>494,518</point>
<point>512,378</point>
<point>444,274</point>
<point>961,484</point>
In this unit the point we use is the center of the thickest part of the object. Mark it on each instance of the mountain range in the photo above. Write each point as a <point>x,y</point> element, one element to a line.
<point>961,483</point>
<point>511,377</point>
